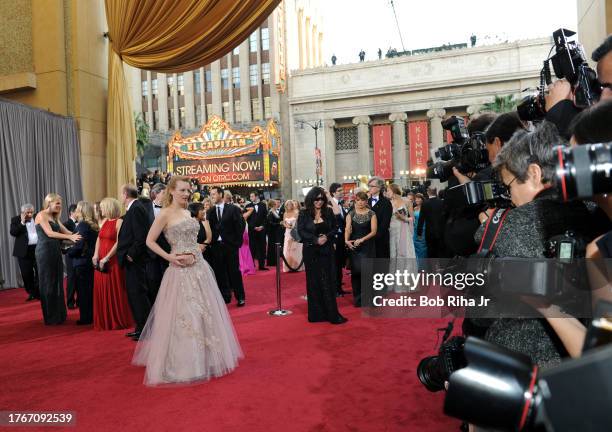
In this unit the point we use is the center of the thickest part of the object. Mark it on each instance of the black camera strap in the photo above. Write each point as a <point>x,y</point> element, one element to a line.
<point>494,224</point>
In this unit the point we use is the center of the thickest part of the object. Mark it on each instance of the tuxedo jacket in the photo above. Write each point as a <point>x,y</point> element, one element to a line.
<point>70,225</point>
<point>257,218</point>
<point>20,232</point>
<point>384,211</point>
<point>432,215</point>
<point>133,235</point>
<point>230,227</point>
<point>161,240</point>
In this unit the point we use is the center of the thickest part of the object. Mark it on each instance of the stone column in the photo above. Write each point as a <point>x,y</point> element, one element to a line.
<point>363,136</point>
<point>437,133</point>
<point>150,115</point>
<point>400,152</point>
<point>329,156</point>
<point>215,71</point>
<point>190,117</point>
<point>162,101</point>
<point>473,111</point>
<point>175,98</point>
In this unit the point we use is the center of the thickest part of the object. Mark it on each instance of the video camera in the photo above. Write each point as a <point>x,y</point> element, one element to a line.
<point>492,192</point>
<point>568,62</point>
<point>466,153</point>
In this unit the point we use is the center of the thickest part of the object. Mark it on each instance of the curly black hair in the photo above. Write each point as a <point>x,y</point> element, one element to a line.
<point>309,201</point>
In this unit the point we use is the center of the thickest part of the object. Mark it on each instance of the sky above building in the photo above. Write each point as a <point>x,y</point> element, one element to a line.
<point>352,25</point>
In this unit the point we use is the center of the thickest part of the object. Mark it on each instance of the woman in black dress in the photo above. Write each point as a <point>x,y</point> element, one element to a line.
<point>317,228</point>
<point>51,232</point>
<point>198,212</point>
<point>274,230</point>
<point>82,253</point>
<point>361,226</point>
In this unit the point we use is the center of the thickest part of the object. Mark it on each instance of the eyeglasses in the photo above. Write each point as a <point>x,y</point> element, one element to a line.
<point>509,184</point>
<point>373,186</point>
<point>319,199</point>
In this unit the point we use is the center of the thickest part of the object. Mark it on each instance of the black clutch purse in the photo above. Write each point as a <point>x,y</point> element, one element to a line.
<point>101,269</point>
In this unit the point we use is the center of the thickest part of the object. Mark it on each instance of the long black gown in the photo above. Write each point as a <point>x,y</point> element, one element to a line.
<point>50,276</point>
<point>361,226</point>
<point>320,269</point>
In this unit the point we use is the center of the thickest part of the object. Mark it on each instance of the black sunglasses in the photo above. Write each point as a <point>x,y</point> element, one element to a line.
<point>319,199</point>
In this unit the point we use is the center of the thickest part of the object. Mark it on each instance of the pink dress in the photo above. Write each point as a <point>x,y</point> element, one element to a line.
<point>189,335</point>
<point>247,266</point>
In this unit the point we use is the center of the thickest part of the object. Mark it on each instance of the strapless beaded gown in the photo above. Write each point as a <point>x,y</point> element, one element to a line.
<point>189,335</point>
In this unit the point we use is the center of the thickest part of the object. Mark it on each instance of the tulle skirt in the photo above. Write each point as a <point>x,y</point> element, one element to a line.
<point>189,335</point>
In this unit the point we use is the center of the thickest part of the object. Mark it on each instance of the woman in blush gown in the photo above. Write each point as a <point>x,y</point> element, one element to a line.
<point>188,336</point>
<point>292,250</point>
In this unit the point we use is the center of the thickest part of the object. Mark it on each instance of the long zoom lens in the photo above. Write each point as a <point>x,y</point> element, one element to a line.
<point>584,170</point>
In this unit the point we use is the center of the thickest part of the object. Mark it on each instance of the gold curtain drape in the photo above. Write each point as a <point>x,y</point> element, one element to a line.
<point>166,36</point>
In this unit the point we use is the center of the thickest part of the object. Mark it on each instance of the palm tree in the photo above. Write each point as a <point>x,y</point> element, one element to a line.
<point>501,104</point>
<point>142,134</point>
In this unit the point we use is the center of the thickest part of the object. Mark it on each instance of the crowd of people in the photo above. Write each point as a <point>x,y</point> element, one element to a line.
<point>116,264</point>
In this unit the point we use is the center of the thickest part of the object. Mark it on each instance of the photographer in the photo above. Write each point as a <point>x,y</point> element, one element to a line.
<point>462,223</point>
<point>527,167</point>
<point>560,107</point>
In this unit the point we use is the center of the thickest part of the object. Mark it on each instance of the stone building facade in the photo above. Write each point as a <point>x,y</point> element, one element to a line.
<point>350,99</point>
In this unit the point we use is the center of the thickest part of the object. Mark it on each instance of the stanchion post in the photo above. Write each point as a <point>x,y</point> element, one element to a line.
<point>279,311</point>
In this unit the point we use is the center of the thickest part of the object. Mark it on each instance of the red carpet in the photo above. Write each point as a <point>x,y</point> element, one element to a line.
<point>296,376</point>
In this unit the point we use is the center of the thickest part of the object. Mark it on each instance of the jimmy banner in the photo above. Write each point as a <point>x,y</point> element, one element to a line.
<point>418,141</point>
<point>219,155</point>
<point>383,157</point>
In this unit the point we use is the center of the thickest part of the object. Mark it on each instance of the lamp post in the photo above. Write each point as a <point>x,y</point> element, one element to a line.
<point>315,126</point>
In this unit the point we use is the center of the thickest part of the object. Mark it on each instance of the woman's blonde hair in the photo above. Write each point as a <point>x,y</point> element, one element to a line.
<point>290,205</point>
<point>110,208</point>
<point>51,198</point>
<point>85,212</point>
<point>174,180</point>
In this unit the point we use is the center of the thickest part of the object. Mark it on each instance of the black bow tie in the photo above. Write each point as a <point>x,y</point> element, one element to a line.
<point>157,206</point>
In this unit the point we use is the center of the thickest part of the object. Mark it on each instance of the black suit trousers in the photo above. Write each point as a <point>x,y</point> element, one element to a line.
<point>138,292</point>
<point>156,268</point>
<point>257,244</point>
<point>340,255</point>
<point>226,266</point>
<point>70,282</point>
<point>29,272</point>
<point>84,281</point>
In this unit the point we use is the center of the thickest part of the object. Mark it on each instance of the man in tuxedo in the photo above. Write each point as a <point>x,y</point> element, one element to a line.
<point>257,232</point>
<point>24,231</point>
<point>156,266</point>
<point>432,215</point>
<point>335,189</point>
<point>384,211</point>
<point>227,225</point>
<point>133,256</point>
<point>71,225</point>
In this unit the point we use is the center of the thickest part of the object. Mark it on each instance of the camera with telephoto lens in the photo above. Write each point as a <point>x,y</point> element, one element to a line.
<point>502,390</point>
<point>584,170</point>
<point>433,371</point>
<point>466,153</point>
<point>568,62</point>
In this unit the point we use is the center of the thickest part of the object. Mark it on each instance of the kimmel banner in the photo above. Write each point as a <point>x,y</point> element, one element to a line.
<point>383,157</point>
<point>418,140</point>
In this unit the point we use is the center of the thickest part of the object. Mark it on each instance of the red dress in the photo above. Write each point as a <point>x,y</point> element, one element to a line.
<point>111,307</point>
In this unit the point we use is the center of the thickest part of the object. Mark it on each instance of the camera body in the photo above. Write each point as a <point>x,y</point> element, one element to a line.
<point>568,62</point>
<point>468,153</point>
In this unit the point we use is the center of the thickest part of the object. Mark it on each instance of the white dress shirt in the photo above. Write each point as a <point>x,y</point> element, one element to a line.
<point>32,234</point>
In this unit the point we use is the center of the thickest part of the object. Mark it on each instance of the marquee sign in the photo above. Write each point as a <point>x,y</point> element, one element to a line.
<point>220,155</point>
